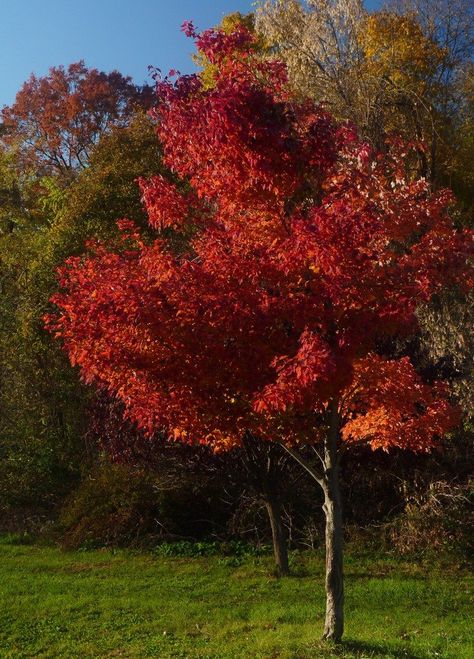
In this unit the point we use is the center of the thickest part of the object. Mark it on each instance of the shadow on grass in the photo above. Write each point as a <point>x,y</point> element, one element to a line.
<point>379,650</point>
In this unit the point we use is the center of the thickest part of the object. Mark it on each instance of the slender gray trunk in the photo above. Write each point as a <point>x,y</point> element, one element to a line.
<point>280,546</point>
<point>334,623</point>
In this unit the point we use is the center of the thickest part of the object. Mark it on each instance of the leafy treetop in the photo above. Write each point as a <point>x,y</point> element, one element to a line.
<point>311,254</point>
<point>57,119</point>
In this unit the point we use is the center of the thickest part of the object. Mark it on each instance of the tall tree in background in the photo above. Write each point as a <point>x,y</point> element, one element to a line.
<point>57,119</point>
<point>401,68</point>
<point>398,69</point>
<point>42,406</point>
<point>310,257</point>
<point>461,173</point>
<point>318,40</point>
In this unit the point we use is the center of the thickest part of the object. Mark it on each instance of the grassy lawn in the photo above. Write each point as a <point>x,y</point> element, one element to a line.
<point>119,604</point>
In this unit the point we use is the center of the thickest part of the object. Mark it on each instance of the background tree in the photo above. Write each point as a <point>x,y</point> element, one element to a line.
<point>397,69</point>
<point>43,408</point>
<point>56,120</point>
<point>230,23</point>
<point>401,68</point>
<point>263,468</point>
<point>311,256</point>
<point>319,43</point>
<point>461,166</point>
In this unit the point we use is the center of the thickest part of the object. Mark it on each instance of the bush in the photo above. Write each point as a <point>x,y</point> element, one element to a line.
<point>114,505</point>
<point>440,519</point>
<point>123,505</point>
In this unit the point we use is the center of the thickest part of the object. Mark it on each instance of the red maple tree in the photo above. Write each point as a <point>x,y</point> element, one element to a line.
<point>56,119</point>
<point>311,254</point>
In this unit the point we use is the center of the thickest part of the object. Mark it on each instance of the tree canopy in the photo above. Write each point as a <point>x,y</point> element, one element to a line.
<point>311,254</point>
<point>57,119</point>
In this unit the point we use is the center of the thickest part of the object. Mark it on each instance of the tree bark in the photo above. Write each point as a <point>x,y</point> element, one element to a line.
<point>266,468</point>
<point>334,623</point>
<point>280,546</point>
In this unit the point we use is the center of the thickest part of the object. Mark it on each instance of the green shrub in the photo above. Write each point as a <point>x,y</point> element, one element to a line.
<point>16,539</point>
<point>115,505</point>
<point>123,505</point>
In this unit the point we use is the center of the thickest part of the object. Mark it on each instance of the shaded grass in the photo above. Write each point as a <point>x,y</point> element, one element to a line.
<point>119,604</point>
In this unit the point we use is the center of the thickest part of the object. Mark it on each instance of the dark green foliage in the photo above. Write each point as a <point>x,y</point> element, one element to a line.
<point>42,404</point>
<point>232,548</point>
<point>114,505</point>
<point>124,505</point>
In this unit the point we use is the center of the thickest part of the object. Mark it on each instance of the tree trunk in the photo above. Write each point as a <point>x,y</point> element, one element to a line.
<point>280,547</point>
<point>328,479</point>
<point>334,623</point>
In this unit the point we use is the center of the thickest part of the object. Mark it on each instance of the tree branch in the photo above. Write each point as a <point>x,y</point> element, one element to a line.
<point>315,473</point>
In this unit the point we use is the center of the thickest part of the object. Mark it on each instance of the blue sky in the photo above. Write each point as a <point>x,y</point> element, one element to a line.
<point>127,35</point>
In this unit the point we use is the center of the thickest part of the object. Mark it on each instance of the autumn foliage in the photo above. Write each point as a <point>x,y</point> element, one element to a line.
<point>57,119</point>
<point>310,256</point>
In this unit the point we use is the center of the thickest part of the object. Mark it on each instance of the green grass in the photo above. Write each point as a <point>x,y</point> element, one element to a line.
<point>119,604</point>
